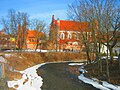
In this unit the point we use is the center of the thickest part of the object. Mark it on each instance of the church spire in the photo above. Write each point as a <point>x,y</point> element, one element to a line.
<point>53,19</point>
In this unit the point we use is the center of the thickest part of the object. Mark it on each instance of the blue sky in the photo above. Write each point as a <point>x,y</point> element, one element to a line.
<point>41,9</point>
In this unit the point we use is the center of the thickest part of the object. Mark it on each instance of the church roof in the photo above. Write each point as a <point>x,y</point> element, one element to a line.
<point>73,25</point>
<point>68,25</point>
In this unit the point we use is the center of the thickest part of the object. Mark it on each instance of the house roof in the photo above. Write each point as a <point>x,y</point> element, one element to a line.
<point>33,33</point>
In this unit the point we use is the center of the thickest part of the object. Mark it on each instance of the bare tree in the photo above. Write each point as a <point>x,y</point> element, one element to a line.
<point>106,13</point>
<point>53,36</point>
<point>16,23</point>
<point>22,29</point>
<point>78,11</point>
<point>10,25</point>
<point>40,29</point>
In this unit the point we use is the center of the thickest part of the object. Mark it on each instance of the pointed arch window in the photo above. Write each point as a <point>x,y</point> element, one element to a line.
<point>69,36</point>
<point>62,36</point>
<point>76,35</point>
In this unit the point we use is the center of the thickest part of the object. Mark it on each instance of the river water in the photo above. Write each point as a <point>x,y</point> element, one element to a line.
<point>57,76</point>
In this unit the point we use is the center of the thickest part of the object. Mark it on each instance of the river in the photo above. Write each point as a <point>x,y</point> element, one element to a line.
<point>57,76</point>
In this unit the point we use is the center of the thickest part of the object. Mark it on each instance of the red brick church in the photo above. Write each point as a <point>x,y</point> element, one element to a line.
<point>69,33</point>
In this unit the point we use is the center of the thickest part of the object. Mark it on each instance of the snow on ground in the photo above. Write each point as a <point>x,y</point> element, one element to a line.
<point>114,57</point>
<point>74,64</point>
<point>7,55</point>
<point>102,85</point>
<point>38,50</point>
<point>29,50</point>
<point>89,81</point>
<point>2,60</point>
<point>29,81</point>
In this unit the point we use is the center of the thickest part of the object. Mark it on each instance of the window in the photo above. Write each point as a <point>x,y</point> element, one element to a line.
<point>76,36</point>
<point>69,36</point>
<point>62,36</point>
<point>32,40</point>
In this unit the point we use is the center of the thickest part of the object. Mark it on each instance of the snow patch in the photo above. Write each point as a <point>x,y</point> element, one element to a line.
<point>102,85</point>
<point>29,81</point>
<point>29,50</point>
<point>74,64</point>
<point>89,81</point>
<point>7,55</point>
<point>114,57</point>
<point>2,60</point>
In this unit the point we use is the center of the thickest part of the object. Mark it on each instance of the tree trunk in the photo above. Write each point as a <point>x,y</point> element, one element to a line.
<point>119,59</point>
<point>88,57</point>
<point>36,44</point>
<point>100,61</point>
<point>111,55</point>
<point>107,62</point>
<point>87,53</point>
<point>36,47</point>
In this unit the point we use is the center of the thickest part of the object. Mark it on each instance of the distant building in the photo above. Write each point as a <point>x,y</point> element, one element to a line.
<point>113,39</point>
<point>6,41</point>
<point>33,38</point>
<point>1,32</point>
<point>69,33</point>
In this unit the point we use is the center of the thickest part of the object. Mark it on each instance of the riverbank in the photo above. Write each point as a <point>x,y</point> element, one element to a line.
<point>21,61</point>
<point>114,72</point>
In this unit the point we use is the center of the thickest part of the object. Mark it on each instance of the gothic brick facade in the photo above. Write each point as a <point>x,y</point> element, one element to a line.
<point>69,33</point>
